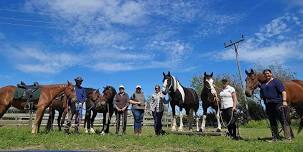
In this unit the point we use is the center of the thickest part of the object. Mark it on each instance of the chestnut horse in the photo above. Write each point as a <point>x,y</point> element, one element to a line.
<point>58,104</point>
<point>48,93</point>
<point>293,88</point>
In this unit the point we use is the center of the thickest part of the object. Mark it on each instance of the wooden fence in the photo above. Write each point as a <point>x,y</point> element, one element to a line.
<point>23,119</point>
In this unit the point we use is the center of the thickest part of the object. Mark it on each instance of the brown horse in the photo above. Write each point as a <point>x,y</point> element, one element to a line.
<point>58,104</point>
<point>100,104</point>
<point>48,93</point>
<point>293,88</point>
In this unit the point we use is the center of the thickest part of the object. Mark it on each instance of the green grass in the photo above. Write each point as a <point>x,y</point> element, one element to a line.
<point>20,138</point>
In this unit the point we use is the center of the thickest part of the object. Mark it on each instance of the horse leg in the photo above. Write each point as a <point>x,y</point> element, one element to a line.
<point>181,120</point>
<point>63,117</point>
<point>37,122</point>
<point>174,118</point>
<point>204,118</point>
<point>103,123</point>
<point>50,119</point>
<point>59,119</point>
<point>197,121</point>
<point>218,120</point>
<point>91,130</point>
<point>110,114</point>
<point>87,120</point>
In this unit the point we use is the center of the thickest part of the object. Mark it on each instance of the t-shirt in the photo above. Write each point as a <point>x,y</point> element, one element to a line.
<point>272,92</point>
<point>226,97</point>
<point>81,94</point>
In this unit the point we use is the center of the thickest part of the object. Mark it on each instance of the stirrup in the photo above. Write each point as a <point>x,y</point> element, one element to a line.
<point>27,106</point>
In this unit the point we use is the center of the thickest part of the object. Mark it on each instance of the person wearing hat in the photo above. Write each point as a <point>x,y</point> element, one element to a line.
<point>121,102</point>
<point>138,106</point>
<point>75,108</point>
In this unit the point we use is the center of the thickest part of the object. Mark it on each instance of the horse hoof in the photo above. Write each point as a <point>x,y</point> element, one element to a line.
<point>218,130</point>
<point>86,131</point>
<point>102,133</point>
<point>92,130</point>
<point>173,129</point>
<point>180,129</point>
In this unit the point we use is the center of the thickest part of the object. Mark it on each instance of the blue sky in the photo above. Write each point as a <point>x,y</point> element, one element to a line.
<point>113,42</point>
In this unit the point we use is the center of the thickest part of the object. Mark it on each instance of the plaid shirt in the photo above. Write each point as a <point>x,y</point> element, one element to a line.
<point>157,104</point>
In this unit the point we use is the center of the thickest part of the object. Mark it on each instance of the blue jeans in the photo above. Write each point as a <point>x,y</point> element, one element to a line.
<point>138,115</point>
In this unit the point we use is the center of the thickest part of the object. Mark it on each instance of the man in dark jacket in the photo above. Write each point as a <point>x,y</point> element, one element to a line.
<point>121,102</point>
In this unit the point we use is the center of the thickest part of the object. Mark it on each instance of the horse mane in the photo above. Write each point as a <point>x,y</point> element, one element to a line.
<point>110,87</point>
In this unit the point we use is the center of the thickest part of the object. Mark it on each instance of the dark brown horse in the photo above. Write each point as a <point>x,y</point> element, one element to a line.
<point>58,104</point>
<point>48,93</point>
<point>100,104</point>
<point>182,97</point>
<point>209,98</point>
<point>293,88</point>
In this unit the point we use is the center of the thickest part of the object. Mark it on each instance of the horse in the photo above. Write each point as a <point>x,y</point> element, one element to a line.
<point>58,104</point>
<point>100,104</point>
<point>48,93</point>
<point>293,88</point>
<point>209,98</point>
<point>182,97</point>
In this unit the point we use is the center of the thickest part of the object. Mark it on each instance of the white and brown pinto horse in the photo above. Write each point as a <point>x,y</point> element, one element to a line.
<point>48,94</point>
<point>209,98</point>
<point>182,97</point>
<point>293,88</point>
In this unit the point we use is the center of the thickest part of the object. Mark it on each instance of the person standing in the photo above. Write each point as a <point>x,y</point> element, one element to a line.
<point>274,96</point>
<point>228,107</point>
<point>138,106</point>
<point>75,108</point>
<point>157,108</point>
<point>121,102</point>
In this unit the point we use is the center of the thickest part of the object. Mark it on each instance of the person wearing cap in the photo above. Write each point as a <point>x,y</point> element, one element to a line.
<point>157,108</point>
<point>229,101</point>
<point>121,102</point>
<point>75,108</point>
<point>138,106</point>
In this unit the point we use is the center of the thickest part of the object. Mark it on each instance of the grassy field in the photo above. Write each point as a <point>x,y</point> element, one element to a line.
<point>20,138</point>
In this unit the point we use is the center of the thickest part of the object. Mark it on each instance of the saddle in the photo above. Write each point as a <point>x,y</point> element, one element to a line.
<point>30,93</point>
<point>27,87</point>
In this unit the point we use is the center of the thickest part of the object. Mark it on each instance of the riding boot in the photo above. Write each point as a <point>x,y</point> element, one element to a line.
<point>287,132</point>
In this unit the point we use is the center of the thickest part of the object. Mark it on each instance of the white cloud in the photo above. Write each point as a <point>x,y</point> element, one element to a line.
<point>276,42</point>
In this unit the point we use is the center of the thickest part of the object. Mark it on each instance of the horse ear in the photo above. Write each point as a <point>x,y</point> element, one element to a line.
<point>211,75</point>
<point>246,72</point>
<point>163,74</point>
<point>68,83</point>
<point>168,73</point>
<point>252,71</point>
<point>204,73</point>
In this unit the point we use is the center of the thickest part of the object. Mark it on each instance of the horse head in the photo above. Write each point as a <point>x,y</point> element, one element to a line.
<point>252,82</point>
<point>208,82</point>
<point>93,95</point>
<point>167,83</point>
<point>70,91</point>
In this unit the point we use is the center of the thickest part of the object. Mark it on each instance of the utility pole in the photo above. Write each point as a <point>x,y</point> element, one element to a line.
<point>235,45</point>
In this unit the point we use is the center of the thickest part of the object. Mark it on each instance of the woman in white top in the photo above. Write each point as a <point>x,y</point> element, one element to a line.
<point>228,107</point>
